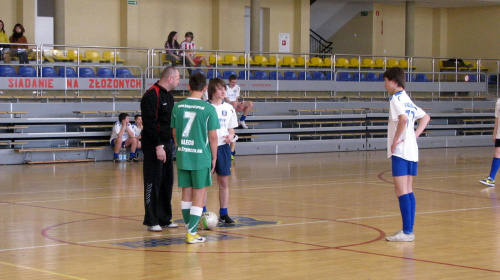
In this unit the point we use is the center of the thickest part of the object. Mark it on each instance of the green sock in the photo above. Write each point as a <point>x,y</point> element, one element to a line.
<point>185,208</point>
<point>186,216</point>
<point>194,218</point>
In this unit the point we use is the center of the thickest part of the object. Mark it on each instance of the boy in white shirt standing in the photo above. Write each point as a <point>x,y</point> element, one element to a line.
<point>402,147</point>
<point>225,135</point>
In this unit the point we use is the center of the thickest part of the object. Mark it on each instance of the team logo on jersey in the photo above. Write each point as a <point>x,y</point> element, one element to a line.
<point>224,113</point>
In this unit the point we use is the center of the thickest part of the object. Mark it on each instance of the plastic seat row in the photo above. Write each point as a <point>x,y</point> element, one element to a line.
<point>85,57</point>
<point>69,72</point>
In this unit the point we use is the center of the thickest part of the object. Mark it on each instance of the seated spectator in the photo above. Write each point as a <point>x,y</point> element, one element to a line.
<point>123,136</point>
<point>137,129</point>
<point>188,44</point>
<point>3,39</point>
<point>232,97</point>
<point>171,46</point>
<point>20,51</point>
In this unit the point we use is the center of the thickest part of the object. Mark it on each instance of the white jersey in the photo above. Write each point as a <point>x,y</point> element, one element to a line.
<point>136,130</point>
<point>227,119</point>
<point>116,129</point>
<point>188,46</point>
<point>233,93</point>
<point>400,104</point>
<point>497,115</point>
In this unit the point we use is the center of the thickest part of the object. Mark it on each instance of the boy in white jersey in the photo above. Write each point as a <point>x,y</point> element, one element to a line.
<point>123,136</point>
<point>232,97</point>
<point>190,47</point>
<point>402,147</point>
<point>228,121</point>
<point>137,129</point>
<point>495,163</point>
<point>194,126</point>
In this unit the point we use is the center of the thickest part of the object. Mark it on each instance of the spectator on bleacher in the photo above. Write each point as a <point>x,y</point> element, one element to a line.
<point>495,163</point>
<point>137,129</point>
<point>189,54</point>
<point>123,136</point>
<point>158,172</point>
<point>20,51</point>
<point>3,39</point>
<point>232,97</point>
<point>171,46</point>
<point>228,120</point>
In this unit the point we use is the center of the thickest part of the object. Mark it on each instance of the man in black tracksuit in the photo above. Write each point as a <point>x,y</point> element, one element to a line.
<point>156,107</point>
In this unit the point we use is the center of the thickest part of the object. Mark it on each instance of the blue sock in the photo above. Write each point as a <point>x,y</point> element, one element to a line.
<point>115,155</point>
<point>132,155</point>
<point>495,164</point>
<point>413,208</point>
<point>204,209</point>
<point>223,211</point>
<point>243,118</point>
<point>405,208</point>
<point>233,153</point>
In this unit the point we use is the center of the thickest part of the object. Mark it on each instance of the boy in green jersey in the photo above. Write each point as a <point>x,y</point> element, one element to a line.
<point>194,125</point>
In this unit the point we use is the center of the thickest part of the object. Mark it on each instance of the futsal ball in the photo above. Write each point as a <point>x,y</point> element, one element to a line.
<point>209,220</point>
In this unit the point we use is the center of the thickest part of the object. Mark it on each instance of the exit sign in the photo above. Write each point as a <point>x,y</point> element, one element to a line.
<point>132,2</point>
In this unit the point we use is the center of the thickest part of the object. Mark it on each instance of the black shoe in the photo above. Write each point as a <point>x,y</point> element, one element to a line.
<point>115,159</point>
<point>226,219</point>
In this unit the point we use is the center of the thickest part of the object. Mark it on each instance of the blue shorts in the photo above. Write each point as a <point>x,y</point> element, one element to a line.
<point>403,167</point>
<point>223,164</point>
<point>113,143</point>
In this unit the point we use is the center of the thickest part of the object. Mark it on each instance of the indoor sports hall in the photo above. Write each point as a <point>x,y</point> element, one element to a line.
<point>311,189</point>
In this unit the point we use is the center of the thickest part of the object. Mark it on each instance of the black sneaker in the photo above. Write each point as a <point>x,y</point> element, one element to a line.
<point>136,157</point>
<point>226,219</point>
<point>115,159</point>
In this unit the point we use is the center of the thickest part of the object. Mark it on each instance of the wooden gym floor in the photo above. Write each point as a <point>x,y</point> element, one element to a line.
<point>300,216</point>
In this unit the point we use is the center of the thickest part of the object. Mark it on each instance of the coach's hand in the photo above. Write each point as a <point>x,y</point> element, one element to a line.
<point>160,153</point>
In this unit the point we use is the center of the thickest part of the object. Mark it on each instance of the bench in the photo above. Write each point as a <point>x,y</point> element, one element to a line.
<point>14,128</point>
<point>341,135</point>
<point>106,113</point>
<point>94,141</point>
<point>96,126</point>
<point>331,122</point>
<point>10,144</point>
<point>474,131</point>
<point>17,114</point>
<point>314,111</point>
<point>28,158</point>
<point>477,120</point>
<point>246,137</point>
<point>475,109</point>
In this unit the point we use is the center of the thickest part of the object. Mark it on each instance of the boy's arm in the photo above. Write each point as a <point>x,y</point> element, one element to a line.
<point>212,138</point>
<point>402,119</point>
<point>130,132</point>
<point>422,124</point>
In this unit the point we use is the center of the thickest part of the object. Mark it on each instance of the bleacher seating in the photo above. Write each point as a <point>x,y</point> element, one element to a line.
<point>319,76</point>
<point>245,75</point>
<point>344,77</point>
<point>112,56</point>
<point>49,72</point>
<point>260,75</point>
<point>105,72</point>
<point>8,71</point>
<point>194,71</point>
<point>67,72</point>
<point>422,78</point>
<point>227,73</point>
<point>372,77</point>
<point>275,74</point>
<point>305,76</point>
<point>27,71</point>
<point>359,77</point>
<point>290,75</point>
<point>212,73</point>
<point>86,72</point>
<point>95,56</point>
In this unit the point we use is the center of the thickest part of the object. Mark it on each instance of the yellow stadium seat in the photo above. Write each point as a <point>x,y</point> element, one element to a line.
<point>57,55</point>
<point>111,56</point>
<point>289,61</point>
<point>212,58</point>
<point>328,62</point>
<point>392,63</point>
<point>230,59</point>
<point>273,61</point>
<point>342,62</point>
<point>261,60</point>
<point>403,63</point>
<point>95,56</point>
<point>379,63</point>
<point>354,62</point>
<point>367,63</point>
<point>316,62</point>
<point>301,61</point>
<point>74,55</point>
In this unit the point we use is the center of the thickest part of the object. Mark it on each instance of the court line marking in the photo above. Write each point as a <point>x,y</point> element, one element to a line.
<point>42,270</point>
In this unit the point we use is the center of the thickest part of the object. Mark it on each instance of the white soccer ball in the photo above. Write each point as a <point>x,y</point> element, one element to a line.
<point>209,220</point>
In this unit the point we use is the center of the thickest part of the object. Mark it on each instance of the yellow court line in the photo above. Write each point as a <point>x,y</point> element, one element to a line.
<point>44,271</point>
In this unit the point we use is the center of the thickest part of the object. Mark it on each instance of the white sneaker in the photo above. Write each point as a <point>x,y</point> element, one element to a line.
<point>171,225</point>
<point>400,236</point>
<point>155,228</point>
<point>235,138</point>
<point>242,123</point>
